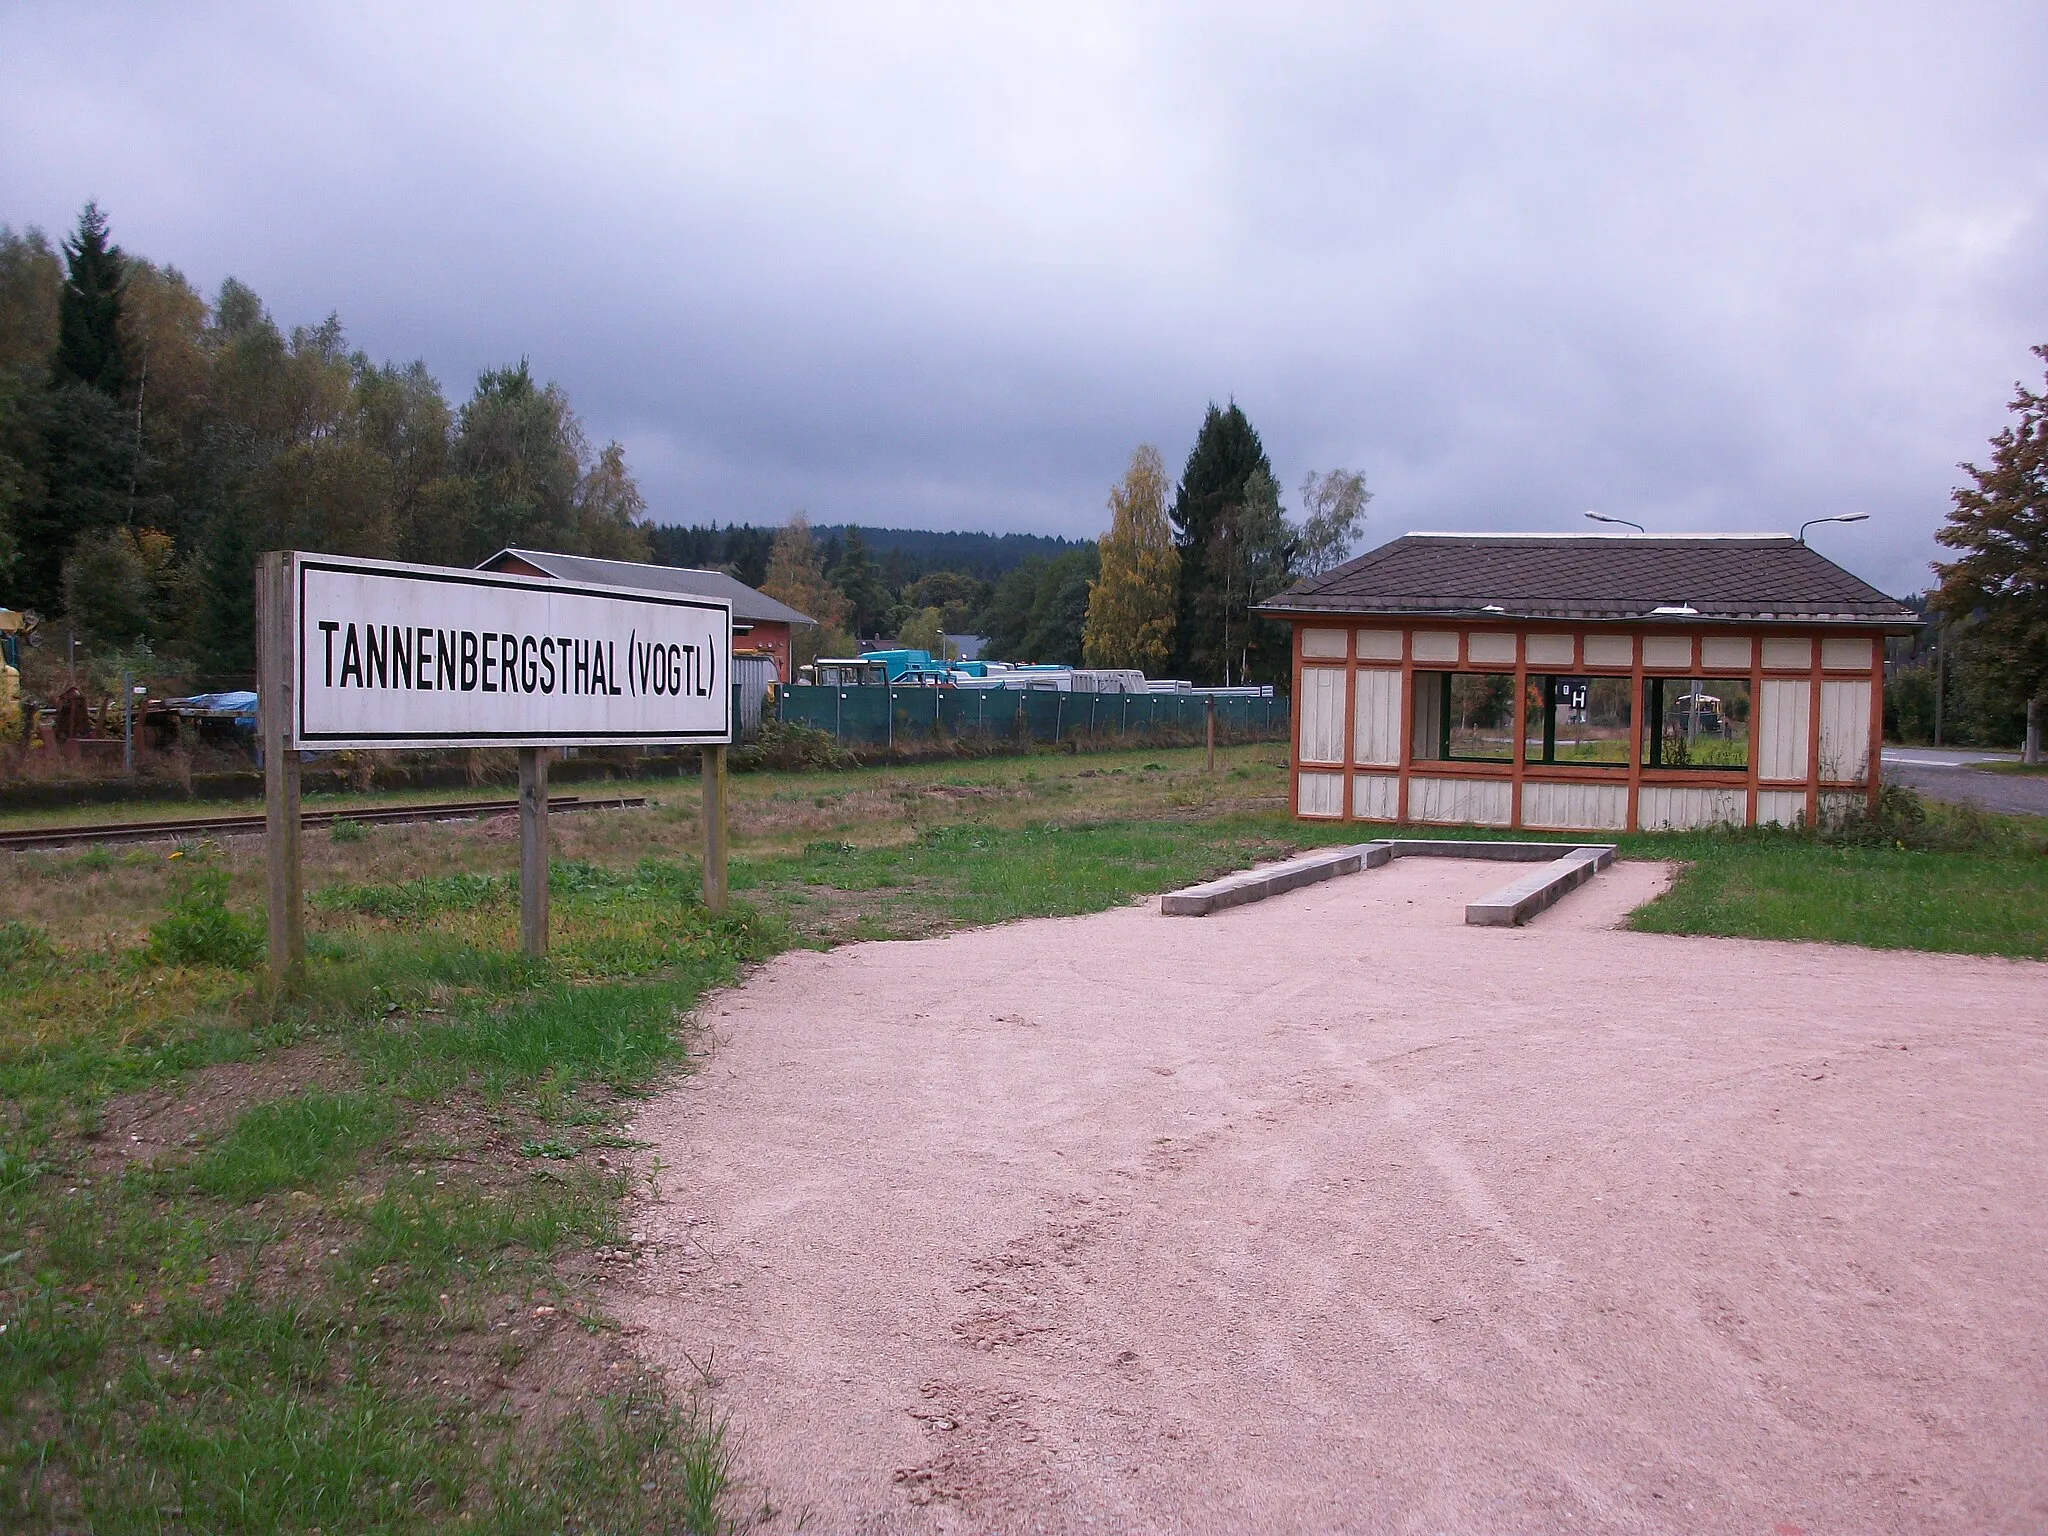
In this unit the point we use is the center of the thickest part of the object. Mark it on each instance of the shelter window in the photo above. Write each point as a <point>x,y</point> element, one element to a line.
<point>1586,720</point>
<point>1696,722</point>
<point>1464,717</point>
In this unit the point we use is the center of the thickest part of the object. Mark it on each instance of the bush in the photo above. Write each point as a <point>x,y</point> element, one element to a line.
<point>788,745</point>
<point>1901,820</point>
<point>1909,705</point>
<point>199,929</point>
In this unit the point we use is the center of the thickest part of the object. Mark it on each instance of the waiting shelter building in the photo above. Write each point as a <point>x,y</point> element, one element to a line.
<point>1587,682</point>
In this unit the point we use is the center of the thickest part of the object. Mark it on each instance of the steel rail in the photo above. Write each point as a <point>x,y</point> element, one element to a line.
<point>32,838</point>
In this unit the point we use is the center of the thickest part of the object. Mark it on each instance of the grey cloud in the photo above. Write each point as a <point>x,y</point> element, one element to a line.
<point>1712,266</point>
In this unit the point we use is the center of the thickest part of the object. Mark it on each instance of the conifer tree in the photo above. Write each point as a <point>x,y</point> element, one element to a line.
<point>2000,523</point>
<point>855,574</point>
<point>1208,508</point>
<point>89,309</point>
<point>1132,608</point>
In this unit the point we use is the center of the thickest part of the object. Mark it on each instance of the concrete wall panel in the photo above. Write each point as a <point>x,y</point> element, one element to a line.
<point>1730,652</point>
<point>1610,650</point>
<point>1781,653</point>
<point>1379,645</point>
<point>1488,647</point>
<point>1323,643</point>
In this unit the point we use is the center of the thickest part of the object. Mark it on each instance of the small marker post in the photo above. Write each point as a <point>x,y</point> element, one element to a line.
<point>533,851</point>
<point>714,829</point>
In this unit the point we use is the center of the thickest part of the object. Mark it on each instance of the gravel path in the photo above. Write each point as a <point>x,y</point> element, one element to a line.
<point>1332,1214</point>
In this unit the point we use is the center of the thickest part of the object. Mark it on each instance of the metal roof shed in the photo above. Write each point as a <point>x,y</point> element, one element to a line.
<point>759,622</point>
<point>1586,682</point>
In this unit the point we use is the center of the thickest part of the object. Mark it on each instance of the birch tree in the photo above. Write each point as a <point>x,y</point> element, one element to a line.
<point>1131,606</point>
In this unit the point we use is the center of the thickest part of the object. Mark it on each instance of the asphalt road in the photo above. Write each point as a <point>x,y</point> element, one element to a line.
<point>1954,775</point>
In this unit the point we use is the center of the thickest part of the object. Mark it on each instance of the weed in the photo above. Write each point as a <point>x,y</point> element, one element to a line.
<point>200,929</point>
<point>345,830</point>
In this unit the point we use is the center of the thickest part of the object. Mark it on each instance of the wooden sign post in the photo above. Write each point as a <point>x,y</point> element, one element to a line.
<point>275,671</point>
<point>370,655</point>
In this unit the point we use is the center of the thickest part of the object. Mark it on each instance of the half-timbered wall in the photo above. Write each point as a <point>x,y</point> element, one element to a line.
<point>1368,747</point>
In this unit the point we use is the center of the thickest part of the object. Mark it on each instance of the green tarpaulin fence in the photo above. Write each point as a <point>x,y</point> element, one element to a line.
<point>879,716</point>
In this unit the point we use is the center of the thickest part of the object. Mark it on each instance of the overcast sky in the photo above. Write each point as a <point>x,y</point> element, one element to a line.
<point>1712,267</point>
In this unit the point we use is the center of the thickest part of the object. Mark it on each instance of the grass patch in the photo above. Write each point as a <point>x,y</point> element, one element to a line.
<point>304,1142</point>
<point>619,1035</point>
<point>1886,898</point>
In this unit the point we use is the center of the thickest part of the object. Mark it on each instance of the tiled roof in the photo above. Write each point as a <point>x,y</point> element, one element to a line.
<point>748,605</point>
<point>1763,577</point>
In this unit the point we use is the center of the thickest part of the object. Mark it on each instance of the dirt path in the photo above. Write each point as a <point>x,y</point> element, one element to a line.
<point>1331,1214</point>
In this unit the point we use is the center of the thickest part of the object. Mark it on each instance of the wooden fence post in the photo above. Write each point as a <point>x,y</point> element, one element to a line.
<point>533,851</point>
<point>276,673</point>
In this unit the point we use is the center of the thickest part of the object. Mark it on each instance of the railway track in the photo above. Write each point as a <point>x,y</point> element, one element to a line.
<point>30,838</point>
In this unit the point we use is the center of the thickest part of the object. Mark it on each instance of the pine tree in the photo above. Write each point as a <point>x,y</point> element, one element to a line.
<point>1207,509</point>
<point>86,454</point>
<point>1131,609</point>
<point>227,613</point>
<point>2001,525</point>
<point>1257,562</point>
<point>89,309</point>
<point>855,575</point>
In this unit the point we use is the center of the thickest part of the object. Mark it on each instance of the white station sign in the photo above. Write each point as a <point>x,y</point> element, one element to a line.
<point>399,656</point>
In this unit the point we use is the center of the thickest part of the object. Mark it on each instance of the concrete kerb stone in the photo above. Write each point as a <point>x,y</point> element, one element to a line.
<point>1249,885</point>
<point>1515,903</point>
<point>1566,866</point>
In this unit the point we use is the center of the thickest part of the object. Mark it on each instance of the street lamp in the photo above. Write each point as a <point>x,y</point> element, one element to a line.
<point>1602,517</point>
<point>1846,517</point>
